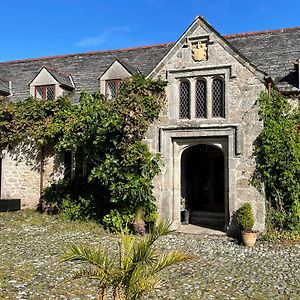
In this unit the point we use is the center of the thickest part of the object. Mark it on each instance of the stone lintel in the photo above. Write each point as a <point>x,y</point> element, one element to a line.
<point>181,72</point>
<point>203,131</point>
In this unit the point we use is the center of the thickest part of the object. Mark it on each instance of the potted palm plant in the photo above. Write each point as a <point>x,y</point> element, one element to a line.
<point>132,272</point>
<point>245,223</point>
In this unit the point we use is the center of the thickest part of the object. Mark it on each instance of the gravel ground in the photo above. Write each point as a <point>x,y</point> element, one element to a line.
<point>30,267</point>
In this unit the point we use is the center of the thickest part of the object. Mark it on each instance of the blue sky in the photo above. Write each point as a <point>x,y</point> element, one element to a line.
<point>35,28</point>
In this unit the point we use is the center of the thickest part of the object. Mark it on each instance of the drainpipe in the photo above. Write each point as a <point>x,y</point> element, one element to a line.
<point>42,171</point>
<point>269,88</point>
<point>268,81</point>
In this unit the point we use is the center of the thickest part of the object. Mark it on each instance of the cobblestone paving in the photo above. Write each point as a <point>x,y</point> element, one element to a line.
<point>30,268</point>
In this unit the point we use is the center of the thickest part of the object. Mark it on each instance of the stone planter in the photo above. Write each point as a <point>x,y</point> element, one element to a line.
<point>249,238</point>
<point>10,204</point>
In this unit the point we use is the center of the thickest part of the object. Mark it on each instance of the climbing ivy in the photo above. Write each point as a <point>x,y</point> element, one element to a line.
<point>278,152</point>
<point>107,133</point>
<point>41,122</point>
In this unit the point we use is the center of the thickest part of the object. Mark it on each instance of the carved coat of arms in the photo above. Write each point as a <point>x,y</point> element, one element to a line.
<point>199,51</point>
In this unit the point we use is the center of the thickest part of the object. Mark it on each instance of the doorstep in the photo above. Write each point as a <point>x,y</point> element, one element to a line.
<point>193,229</point>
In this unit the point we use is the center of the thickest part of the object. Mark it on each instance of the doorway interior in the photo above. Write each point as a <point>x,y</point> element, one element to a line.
<point>203,185</point>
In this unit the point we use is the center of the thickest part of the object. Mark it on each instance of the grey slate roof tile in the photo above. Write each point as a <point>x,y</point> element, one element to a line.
<point>63,78</point>
<point>274,52</point>
<point>85,68</point>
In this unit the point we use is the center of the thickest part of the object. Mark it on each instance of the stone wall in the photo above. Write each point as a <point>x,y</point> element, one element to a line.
<point>21,174</point>
<point>235,134</point>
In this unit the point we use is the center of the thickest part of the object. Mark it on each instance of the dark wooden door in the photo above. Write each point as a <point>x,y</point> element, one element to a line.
<point>203,178</point>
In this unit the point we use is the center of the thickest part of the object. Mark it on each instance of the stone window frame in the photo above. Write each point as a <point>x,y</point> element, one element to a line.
<point>184,81</point>
<point>201,79</point>
<point>109,94</point>
<point>45,88</point>
<point>208,79</point>
<point>221,79</point>
<point>174,76</point>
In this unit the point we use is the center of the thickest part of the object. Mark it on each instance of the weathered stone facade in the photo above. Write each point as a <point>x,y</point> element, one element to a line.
<point>21,174</point>
<point>234,134</point>
<point>226,140</point>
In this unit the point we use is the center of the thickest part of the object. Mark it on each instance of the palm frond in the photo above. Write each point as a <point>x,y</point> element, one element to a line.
<point>141,285</point>
<point>168,259</point>
<point>126,246</point>
<point>96,257</point>
<point>161,229</point>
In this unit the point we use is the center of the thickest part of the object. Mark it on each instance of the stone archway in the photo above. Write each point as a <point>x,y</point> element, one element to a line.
<point>203,185</point>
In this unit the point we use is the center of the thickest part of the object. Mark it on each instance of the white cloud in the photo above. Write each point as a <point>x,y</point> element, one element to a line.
<point>102,37</point>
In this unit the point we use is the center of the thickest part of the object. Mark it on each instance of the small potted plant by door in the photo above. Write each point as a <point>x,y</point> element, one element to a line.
<point>185,214</point>
<point>245,223</point>
<point>139,226</point>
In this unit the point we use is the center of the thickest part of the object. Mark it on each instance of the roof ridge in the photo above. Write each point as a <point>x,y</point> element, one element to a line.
<point>86,53</point>
<point>242,34</point>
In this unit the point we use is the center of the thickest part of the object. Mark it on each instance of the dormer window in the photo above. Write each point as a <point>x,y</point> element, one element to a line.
<point>111,80</point>
<point>112,88</point>
<point>45,92</point>
<point>50,83</point>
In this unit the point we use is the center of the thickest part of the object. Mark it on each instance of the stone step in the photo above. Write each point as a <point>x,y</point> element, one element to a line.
<point>207,218</point>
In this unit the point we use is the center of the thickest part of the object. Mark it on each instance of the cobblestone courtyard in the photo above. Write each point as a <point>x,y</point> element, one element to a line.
<point>30,267</point>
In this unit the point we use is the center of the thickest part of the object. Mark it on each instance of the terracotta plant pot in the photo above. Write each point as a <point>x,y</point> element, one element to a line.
<point>249,238</point>
<point>139,227</point>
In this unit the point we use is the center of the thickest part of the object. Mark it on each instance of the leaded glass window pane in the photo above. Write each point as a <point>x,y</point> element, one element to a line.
<point>218,98</point>
<point>45,92</point>
<point>201,95</point>
<point>50,91</point>
<point>39,92</point>
<point>184,100</point>
<point>112,88</point>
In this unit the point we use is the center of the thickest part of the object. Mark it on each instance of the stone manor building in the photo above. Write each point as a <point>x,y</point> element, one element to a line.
<point>206,133</point>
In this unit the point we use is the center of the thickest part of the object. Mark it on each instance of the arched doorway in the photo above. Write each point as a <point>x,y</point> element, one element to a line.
<point>202,185</point>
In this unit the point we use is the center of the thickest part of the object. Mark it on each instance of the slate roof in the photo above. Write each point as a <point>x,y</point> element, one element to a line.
<point>4,87</point>
<point>274,52</point>
<point>61,77</point>
<point>85,68</point>
<point>129,68</point>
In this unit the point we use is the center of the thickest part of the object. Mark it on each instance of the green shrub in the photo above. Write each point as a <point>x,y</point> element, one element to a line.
<point>115,220</point>
<point>278,155</point>
<point>245,217</point>
<point>76,210</point>
<point>105,136</point>
<point>77,199</point>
